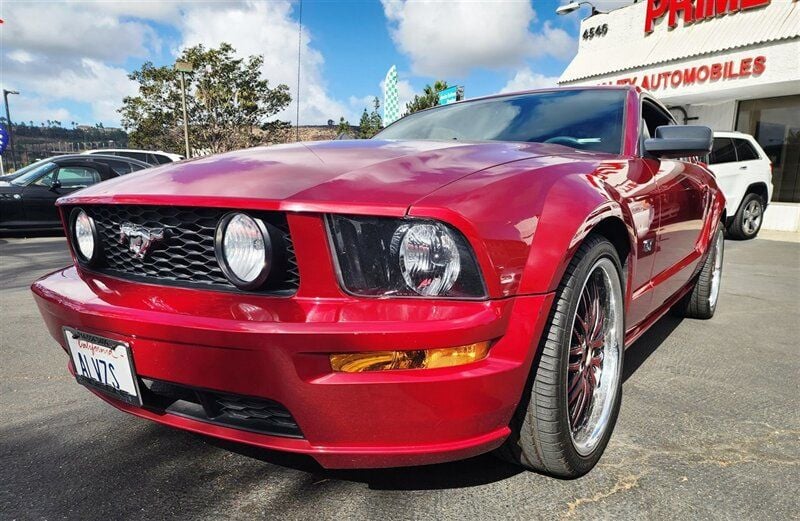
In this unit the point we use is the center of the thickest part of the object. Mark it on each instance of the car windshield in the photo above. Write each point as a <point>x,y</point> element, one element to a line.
<point>590,119</point>
<point>33,174</point>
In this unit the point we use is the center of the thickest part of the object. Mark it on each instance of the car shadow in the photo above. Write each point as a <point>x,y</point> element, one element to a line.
<point>638,352</point>
<point>472,472</point>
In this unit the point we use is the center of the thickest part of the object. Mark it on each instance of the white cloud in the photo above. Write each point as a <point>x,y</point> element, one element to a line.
<point>554,42</point>
<point>526,79</point>
<point>71,52</point>
<point>446,39</point>
<point>268,29</point>
<point>69,30</point>
<point>449,39</point>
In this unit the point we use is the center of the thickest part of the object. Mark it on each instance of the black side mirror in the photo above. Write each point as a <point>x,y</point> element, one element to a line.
<point>680,141</point>
<point>56,185</point>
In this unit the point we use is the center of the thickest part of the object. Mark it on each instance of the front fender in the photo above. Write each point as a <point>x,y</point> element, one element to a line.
<point>525,219</point>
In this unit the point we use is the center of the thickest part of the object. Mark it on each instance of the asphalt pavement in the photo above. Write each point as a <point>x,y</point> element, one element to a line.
<point>709,429</point>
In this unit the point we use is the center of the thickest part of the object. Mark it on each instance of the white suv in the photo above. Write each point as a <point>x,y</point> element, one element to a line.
<point>744,173</point>
<point>148,156</point>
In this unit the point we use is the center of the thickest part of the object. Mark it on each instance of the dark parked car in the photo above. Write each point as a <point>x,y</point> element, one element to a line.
<point>28,196</point>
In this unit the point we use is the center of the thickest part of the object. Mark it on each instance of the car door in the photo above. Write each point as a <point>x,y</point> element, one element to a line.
<point>722,161</point>
<point>683,203</point>
<point>40,196</point>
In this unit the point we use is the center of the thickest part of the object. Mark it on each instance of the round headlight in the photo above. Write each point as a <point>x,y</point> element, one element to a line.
<point>84,235</point>
<point>429,258</point>
<point>243,250</point>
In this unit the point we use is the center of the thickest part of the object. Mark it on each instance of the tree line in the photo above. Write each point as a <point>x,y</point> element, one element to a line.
<point>55,130</point>
<point>229,104</point>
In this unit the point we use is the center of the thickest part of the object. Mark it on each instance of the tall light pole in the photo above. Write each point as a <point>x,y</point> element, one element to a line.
<point>183,68</point>
<point>10,133</point>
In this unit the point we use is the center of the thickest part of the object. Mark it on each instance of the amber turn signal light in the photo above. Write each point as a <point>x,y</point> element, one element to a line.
<point>416,359</point>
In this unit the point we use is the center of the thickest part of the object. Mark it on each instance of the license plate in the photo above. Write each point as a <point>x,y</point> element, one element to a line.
<point>103,364</point>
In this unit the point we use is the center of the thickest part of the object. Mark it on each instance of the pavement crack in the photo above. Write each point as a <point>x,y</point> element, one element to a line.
<point>622,484</point>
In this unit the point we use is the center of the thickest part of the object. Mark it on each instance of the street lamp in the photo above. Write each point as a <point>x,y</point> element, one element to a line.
<point>10,133</point>
<point>572,6</point>
<point>183,68</point>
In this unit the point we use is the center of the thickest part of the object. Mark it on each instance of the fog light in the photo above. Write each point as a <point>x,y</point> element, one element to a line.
<point>416,359</point>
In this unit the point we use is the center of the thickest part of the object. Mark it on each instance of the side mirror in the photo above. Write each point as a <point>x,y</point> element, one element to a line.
<point>680,141</point>
<point>56,185</point>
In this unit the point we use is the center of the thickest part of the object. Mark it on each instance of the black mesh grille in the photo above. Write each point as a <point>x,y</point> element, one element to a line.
<point>240,412</point>
<point>186,255</point>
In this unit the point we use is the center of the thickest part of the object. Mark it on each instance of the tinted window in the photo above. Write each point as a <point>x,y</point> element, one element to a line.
<point>744,150</point>
<point>141,156</point>
<point>77,176</point>
<point>120,167</point>
<point>40,169</point>
<point>723,151</point>
<point>653,118</point>
<point>585,119</point>
<point>162,159</point>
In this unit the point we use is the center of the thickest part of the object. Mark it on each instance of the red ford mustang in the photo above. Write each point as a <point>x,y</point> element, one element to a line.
<point>464,282</point>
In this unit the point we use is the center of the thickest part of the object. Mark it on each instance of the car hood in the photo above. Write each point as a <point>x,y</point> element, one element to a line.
<point>303,176</point>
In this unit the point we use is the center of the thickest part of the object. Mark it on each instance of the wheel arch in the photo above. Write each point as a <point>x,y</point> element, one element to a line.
<point>607,219</point>
<point>759,188</point>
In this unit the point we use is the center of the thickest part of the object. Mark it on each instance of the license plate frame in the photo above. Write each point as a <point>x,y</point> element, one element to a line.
<point>102,345</point>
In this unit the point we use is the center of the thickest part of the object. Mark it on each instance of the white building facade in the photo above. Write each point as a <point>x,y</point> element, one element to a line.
<point>727,64</point>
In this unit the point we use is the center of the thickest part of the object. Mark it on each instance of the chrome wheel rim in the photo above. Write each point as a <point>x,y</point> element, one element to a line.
<point>751,218</point>
<point>716,273</point>
<point>595,357</point>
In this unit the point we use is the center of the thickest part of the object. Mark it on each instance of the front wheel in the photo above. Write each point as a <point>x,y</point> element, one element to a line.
<point>574,400</point>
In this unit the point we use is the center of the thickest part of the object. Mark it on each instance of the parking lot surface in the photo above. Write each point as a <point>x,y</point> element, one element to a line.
<point>709,429</point>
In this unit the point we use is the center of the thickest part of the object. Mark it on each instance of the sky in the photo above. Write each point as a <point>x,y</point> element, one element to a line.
<point>70,60</point>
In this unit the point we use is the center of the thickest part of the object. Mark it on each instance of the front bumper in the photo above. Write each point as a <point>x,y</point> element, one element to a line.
<point>277,349</point>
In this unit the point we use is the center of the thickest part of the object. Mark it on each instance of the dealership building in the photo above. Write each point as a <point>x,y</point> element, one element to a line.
<point>727,64</point>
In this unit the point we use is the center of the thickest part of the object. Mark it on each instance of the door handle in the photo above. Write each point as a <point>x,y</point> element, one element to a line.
<point>743,167</point>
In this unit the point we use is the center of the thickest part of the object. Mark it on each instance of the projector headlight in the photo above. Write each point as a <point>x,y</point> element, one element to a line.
<point>379,256</point>
<point>244,250</point>
<point>84,236</point>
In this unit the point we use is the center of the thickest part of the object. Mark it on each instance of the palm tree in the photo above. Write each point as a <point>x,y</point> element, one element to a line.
<point>428,99</point>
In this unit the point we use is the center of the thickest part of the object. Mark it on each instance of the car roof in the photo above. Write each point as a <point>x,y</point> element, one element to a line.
<point>139,150</point>
<point>95,157</point>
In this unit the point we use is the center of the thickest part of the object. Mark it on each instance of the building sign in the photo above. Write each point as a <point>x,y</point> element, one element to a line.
<point>694,10</point>
<point>451,95</point>
<point>591,32</point>
<point>698,74</point>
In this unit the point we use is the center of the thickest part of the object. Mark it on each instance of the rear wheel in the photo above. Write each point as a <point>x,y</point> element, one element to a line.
<point>574,400</point>
<point>747,221</point>
<point>701,302</point>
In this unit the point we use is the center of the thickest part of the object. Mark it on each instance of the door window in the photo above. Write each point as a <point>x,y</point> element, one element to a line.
<point>136,155</point>
<point>653,117</point>
<point>744,150</point>
<point>162,159</point>
<point>722,152</point>
<point>77,176</point>
<point>47,179</point>
<point>120,167</point>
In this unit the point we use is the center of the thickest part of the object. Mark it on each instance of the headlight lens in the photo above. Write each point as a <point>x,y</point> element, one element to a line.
<point>379,256</point>
<point>244,250</point>
<point>84,235</point>
<point>428,257</point>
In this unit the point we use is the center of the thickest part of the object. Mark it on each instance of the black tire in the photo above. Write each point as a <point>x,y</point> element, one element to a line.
<point>541,437</point>
<point>746,224</point>
<point>701,302</point>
